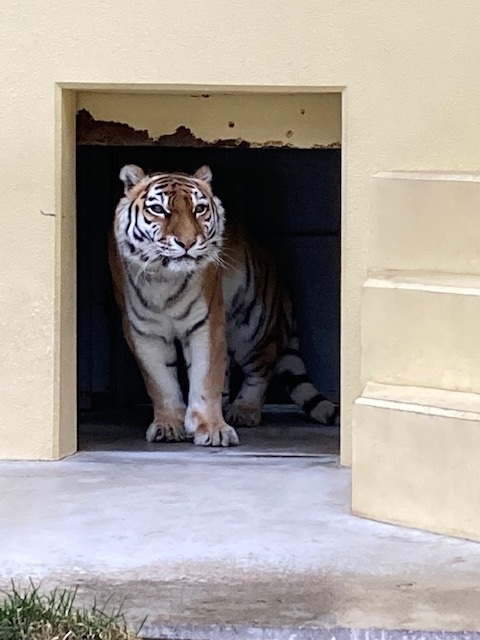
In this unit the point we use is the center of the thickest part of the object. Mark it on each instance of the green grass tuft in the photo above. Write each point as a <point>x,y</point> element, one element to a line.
<point>30,615</point>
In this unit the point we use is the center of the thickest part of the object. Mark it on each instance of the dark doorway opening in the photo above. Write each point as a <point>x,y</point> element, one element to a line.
<point>290,198</point>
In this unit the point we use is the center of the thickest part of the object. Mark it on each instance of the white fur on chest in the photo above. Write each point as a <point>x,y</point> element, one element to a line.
<point>165,301</point>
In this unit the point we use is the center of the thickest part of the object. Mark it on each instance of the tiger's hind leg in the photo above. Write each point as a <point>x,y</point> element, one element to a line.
<point>246,410</point>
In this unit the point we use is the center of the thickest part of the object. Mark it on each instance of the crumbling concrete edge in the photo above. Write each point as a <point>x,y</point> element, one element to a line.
<point>110,133</point>
<point>238,632</point>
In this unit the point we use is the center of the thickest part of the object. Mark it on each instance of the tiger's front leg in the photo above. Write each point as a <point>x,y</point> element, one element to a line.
<point>207,351</point>
<point>157,361</point>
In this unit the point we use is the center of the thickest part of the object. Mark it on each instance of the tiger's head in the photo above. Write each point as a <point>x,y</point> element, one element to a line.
<point>169,220</point>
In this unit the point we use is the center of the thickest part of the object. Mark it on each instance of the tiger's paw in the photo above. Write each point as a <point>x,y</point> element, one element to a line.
<point>244,415</point>
<point>326,413</point>
<point>167,428</point>
<point>222,435</point>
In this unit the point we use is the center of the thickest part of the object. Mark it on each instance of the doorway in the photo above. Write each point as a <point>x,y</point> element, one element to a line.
<point>290,199</point>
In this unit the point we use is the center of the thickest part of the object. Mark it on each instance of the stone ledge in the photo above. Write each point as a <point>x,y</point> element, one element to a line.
<point>455,404</point>
<point>404,440</point>
<point>453,176</point>
<point>421,331</point>
<point>426,220</point>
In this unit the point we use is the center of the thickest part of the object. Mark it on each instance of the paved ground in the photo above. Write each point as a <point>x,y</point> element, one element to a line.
<point>190,536</point>
<point>284,431</point>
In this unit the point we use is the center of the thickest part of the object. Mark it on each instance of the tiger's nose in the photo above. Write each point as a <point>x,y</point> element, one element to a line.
<point>186,243</point>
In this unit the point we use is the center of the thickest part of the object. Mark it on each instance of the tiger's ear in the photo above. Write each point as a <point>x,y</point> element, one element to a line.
<point>204,173</point>
<point>131,175</point>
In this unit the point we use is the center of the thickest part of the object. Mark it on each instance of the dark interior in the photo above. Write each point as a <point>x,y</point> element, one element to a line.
<point>289,197</point>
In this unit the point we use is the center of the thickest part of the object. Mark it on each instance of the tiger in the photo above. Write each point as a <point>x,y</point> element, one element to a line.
<point>184,276</point>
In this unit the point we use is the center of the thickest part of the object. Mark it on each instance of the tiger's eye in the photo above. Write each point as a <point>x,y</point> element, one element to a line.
<point>200,208</point>
<point>158,209</point>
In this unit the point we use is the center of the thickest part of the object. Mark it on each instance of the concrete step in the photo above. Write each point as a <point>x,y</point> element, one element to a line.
<point>421,329</point>
<point>426,221</point>
<point>300,632</point>
<point>412,452</point>
<point>250,546</point>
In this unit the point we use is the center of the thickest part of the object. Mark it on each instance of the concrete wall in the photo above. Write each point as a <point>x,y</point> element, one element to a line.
<point>410,78</point>
<point>416,435</point>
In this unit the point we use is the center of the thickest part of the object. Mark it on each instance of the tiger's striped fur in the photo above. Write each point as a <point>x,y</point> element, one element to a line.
<point>179,276</point>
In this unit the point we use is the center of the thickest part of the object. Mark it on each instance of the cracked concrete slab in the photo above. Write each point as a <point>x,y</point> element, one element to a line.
<point>244,543</point>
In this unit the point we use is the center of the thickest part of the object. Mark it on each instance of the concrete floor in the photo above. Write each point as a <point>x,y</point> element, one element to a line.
<point>284,432</point>
<point>258,546</point>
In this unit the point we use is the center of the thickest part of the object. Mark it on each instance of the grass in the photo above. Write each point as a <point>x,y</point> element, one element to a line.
<point>30,615</point>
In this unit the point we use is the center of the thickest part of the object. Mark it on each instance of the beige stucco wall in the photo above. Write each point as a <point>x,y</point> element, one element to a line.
<point>410,73</point>
<point>416,427</point>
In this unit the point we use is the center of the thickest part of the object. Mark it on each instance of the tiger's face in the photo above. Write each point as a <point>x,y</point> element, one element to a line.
<point>169,220</point>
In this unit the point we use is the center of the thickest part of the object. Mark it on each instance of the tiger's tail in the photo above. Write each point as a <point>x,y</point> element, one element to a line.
<point>291,370</point>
